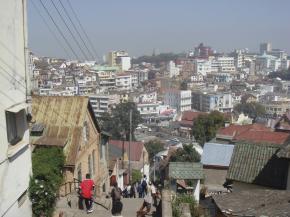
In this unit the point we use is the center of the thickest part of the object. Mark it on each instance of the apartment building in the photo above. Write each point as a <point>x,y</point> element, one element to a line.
<point>206,102</point>
<point>178,99</point>
<point>124,81</point>
<point>15,151</point>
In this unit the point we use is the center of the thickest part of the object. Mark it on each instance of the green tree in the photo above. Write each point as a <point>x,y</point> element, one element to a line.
<point>136,176</point>
<point>186,154</point>
<point>206,126</point>
<point>47,165</point>
<point>183,85</point>
<point>252,109</point>
<point>153,147</point>
<point>118,121</point>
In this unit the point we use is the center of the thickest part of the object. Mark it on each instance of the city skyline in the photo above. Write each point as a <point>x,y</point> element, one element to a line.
<point>169,26</point>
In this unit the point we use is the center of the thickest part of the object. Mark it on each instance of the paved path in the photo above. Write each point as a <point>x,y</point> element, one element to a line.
<point>130,207</point>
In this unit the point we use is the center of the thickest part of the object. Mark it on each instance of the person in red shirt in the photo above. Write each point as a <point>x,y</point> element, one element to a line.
<point>86,187</point>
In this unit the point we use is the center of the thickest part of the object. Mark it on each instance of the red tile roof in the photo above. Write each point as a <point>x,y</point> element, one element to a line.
<point>253,133</point>
<point>190,115</point>
<point>278,138</point>
<point>135,149</point>
<point>234,130</point>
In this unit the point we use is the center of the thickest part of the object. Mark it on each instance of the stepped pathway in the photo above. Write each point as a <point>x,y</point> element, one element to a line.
<point>130,206</point>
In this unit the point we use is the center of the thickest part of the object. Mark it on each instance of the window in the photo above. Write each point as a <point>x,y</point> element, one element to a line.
<point>16,126</point>
<point>22,198</point>
<point>94,161</point>
<point>86,132</point>
<point>90,165</point>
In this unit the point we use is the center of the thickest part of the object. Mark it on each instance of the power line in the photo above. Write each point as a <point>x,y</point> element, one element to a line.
<point>82,28</point>
<point>75,28</point>
<point>74,38</point>
<point>50,30</point>
<point>58,29</point>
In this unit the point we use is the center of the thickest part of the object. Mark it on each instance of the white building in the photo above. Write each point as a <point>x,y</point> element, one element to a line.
<point>178,99</point>
<point>124,81</point>
<point>124,62</point>
<point>202,67</point>
<point>172,69</point>
<point>15,152</point>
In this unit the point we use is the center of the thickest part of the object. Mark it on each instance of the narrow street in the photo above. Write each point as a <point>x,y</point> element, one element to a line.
<point>130,207</point>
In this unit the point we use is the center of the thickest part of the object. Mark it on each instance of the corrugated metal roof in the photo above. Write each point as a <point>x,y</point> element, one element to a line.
<point>258,164</point>
<point>216,154</point>
<point>63,117</point>
<point>185,170</point>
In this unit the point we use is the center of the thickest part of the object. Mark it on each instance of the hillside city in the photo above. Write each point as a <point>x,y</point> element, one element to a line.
<point>208,130</point>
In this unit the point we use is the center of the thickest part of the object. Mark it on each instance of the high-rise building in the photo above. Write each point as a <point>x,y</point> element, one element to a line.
<point>203,52</point>
<point>15,151</point>
<point>265,47</point>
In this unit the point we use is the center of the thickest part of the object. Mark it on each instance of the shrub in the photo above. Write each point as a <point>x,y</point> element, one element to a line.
<point>47,165</point>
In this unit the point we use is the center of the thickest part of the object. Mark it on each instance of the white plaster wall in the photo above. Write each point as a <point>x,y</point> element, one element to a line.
<point>14,172</point>
<point>196,190</point>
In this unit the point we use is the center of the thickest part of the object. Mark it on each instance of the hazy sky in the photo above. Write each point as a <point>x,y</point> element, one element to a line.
<point>139,26</point>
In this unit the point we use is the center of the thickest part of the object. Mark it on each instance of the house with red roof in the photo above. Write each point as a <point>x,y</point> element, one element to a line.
<point>139,158</point>
<point>255,133</point>
<point>186,122</point>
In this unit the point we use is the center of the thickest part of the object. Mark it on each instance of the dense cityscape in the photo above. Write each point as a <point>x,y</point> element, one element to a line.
<point>201,133</point>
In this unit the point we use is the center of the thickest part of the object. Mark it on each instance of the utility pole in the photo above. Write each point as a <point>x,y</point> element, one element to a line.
<point>130,139</point>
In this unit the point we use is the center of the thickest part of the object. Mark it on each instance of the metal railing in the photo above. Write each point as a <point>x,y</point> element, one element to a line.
<point>68,188</point>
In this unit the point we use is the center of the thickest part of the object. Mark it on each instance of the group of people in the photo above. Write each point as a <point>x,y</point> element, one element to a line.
<point>146,189</point>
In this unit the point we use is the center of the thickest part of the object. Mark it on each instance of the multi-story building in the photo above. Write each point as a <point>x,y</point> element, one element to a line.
<point>239,58</point>
<point>206,102</point>
<point>120,59</point>
<point>124,81</point>
<point>203,52</point>
<point>15,151</point>
<point>178,99</point>
<point>279,107</point>
<point>265,47</point>
<point>172,70</point>
<point>124,62</point>
<point>202,67</point>
<point>100,104</point>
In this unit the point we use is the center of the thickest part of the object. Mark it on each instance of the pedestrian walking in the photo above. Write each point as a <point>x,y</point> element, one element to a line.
<point>146,203</point>
<point>86,190</point>
<point>144,186</point>
<point>117,205</point>
<point>139,189</point>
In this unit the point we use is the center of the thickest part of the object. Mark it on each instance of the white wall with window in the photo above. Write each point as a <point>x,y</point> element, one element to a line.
<point>15,153</point>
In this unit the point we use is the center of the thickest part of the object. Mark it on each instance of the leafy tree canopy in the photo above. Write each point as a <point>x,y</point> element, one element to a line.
<point>118,121</point>
<point>252,109</point>
<point>183,85</point>
<point>186,154</point>
<point>156,59</point>
<point>153,147</point>
<point>136,176</point>
<point>206,125</point>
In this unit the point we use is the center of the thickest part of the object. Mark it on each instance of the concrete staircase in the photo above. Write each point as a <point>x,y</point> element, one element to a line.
<point>68,207</point>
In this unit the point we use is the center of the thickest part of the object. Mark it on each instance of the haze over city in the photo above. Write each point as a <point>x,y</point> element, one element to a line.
<point>170,26</point>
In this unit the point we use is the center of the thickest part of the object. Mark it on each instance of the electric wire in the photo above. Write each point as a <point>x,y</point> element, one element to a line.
<point>50,30</point>
<point>75,28</point>
<point>73,36</point>
<point>83,29</point>
<point>58,29</point>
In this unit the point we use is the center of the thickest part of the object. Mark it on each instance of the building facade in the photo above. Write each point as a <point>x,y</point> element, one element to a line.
<point>178,99</point>
<point>15,152</point>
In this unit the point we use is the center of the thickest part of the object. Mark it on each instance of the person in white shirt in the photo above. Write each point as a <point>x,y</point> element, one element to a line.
<point>147,202</point>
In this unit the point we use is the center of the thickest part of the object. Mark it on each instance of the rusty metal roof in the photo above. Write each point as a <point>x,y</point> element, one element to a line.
<point>50,141</point>
<point>63,117</point>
